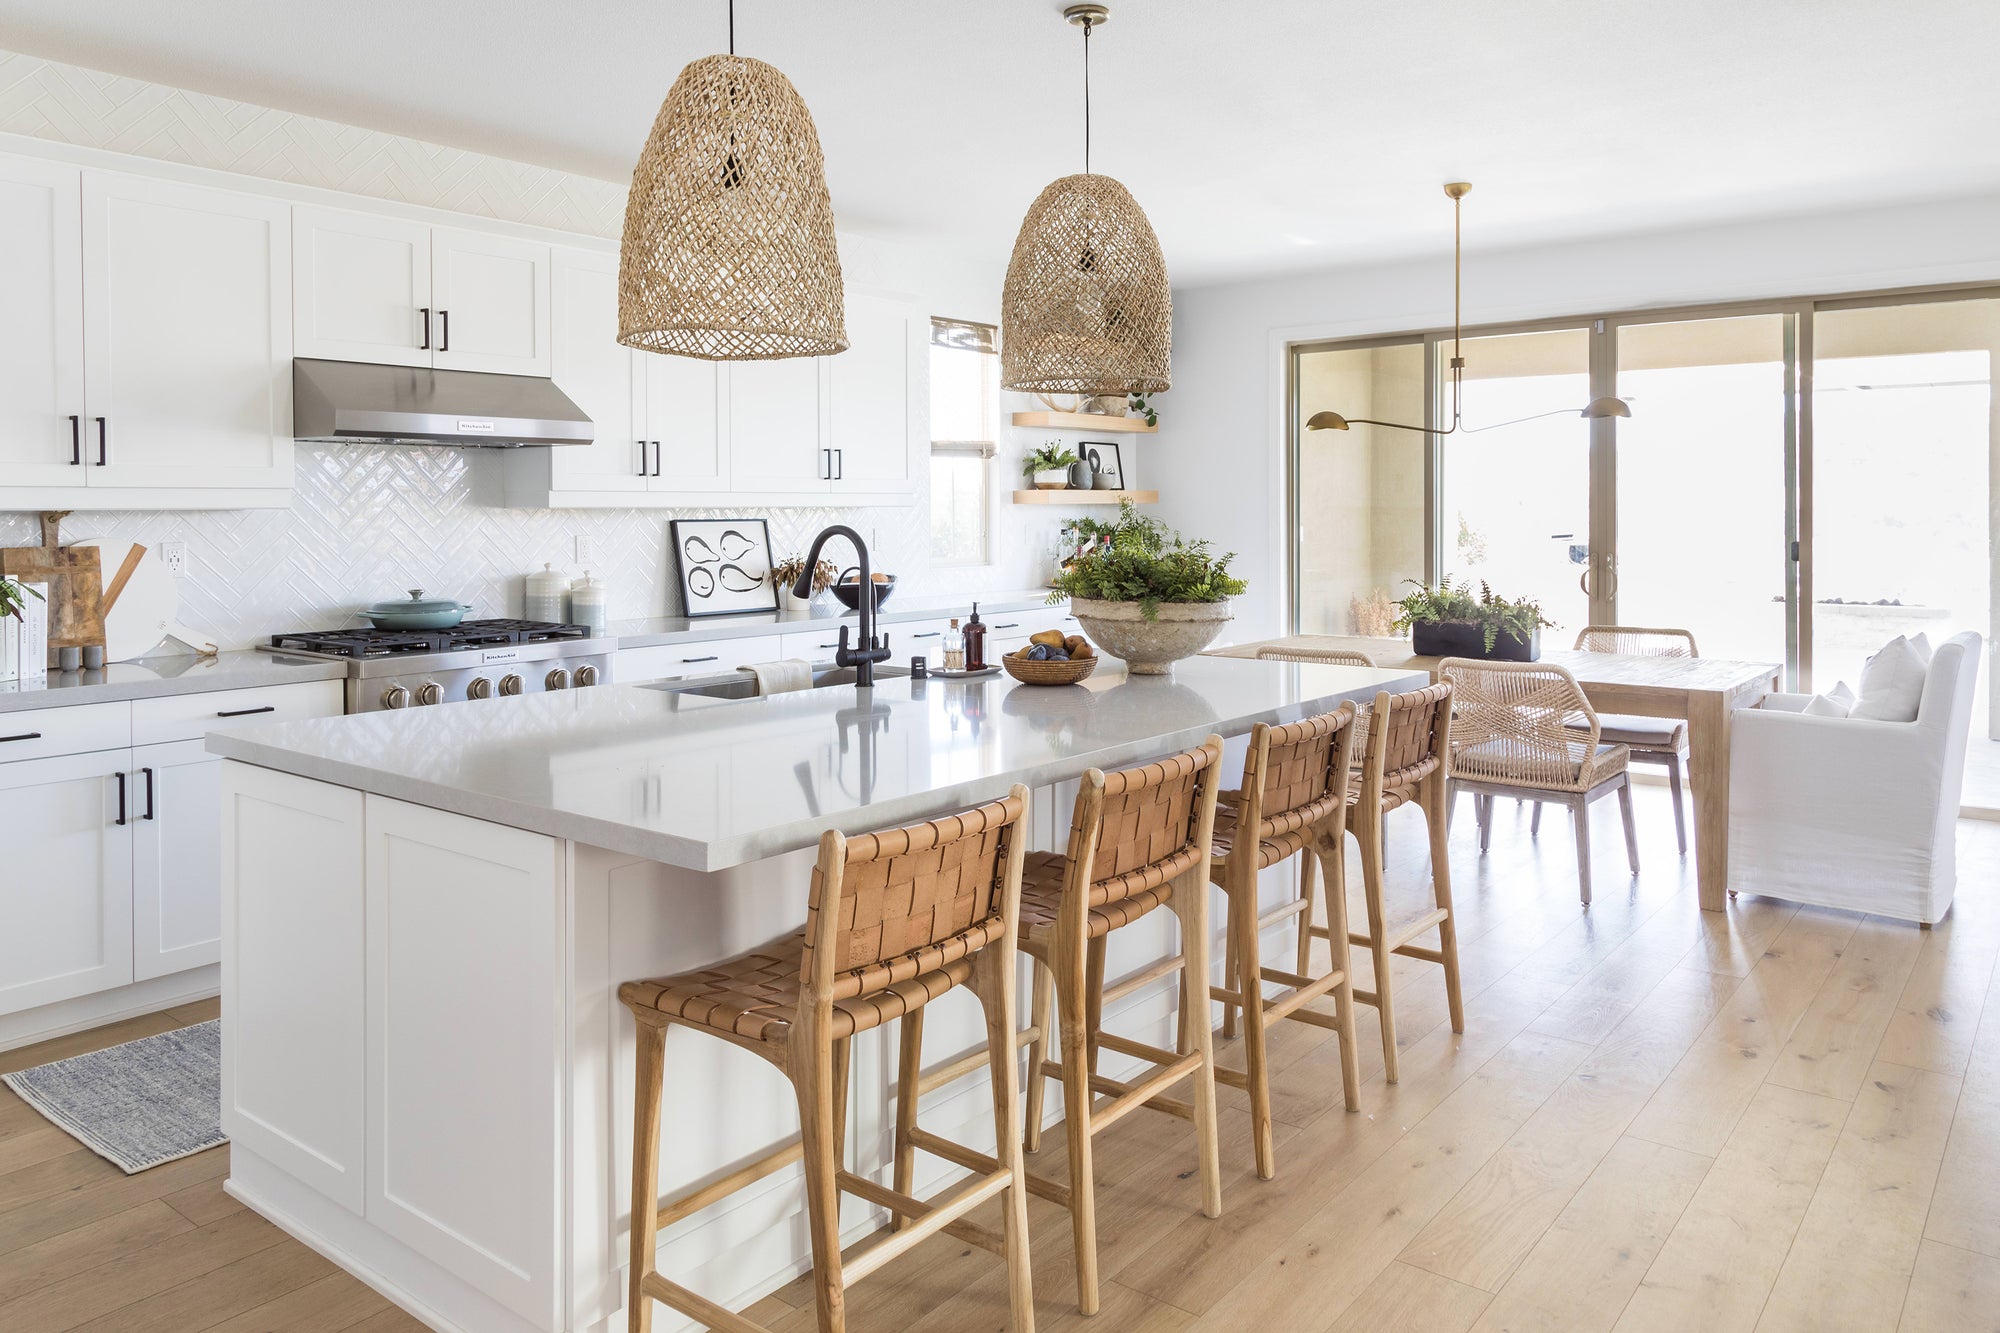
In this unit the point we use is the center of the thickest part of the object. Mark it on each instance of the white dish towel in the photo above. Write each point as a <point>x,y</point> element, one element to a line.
<point>782,677</point>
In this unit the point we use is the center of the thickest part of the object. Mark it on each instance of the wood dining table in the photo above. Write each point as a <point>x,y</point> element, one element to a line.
<point>1704,691</point>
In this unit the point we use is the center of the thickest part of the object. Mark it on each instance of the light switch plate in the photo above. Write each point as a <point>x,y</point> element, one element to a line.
<point>175,556</point>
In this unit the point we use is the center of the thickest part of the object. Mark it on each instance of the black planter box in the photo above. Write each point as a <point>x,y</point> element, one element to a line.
<point>1458,638</point>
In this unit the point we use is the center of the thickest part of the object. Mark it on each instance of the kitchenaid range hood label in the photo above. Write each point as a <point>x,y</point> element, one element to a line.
<point>475,427</point>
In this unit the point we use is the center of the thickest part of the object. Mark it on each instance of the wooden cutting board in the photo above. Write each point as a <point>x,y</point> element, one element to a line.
<point>74,581</point>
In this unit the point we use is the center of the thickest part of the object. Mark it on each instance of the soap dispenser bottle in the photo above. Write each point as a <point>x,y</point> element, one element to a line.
<point>975,641</point>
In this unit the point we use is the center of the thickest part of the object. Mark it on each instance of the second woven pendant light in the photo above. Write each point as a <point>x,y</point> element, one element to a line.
<point>729,252</point>
<point>1087,307</point>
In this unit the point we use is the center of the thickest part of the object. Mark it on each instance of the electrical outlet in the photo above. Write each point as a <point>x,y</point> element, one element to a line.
<point>586,549</point>
<point>175,557</point>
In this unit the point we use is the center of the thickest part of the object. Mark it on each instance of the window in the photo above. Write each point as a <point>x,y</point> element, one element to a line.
<point>965,423</point>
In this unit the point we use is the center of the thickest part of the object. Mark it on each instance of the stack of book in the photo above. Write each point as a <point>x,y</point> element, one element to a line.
<point>24,641</point>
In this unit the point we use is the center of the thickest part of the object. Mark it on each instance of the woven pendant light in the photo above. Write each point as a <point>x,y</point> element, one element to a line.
<point>1087,307</point>
<point>729,252</point>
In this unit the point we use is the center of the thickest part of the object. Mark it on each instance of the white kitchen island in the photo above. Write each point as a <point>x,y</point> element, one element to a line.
<point>427,914</point>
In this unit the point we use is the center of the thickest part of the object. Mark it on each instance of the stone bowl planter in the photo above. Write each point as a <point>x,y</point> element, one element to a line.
<point>1150,647</point>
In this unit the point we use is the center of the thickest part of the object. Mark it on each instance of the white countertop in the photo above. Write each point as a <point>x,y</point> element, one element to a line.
<point>681,629</point>
<point>154,676</point>
<point>708,784</point>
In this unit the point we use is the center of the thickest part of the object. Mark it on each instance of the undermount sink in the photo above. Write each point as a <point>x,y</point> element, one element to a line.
<point>743,685</point>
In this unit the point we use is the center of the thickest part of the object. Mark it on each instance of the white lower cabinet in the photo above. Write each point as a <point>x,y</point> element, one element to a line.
<point>66,896</point>
<point>176,859</point>
<point>714,657</point>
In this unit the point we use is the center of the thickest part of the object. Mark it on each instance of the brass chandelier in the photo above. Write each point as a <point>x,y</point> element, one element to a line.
<point>1595,408</point>
<point>728,251</point>
<point>1087,308</point>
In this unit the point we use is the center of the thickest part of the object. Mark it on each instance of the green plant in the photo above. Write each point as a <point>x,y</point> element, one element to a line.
<point>1147,563</point>
<point>1049,458</point>
<point>14,596</point>
<point>1138,405</point>
<point>1450,603</point>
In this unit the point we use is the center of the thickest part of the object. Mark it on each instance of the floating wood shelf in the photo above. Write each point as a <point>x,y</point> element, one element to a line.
<point>1084,421</point>
<point>1085,497</point>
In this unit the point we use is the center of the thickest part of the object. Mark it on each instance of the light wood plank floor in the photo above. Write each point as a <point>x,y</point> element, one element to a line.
<point>1781,1118</point>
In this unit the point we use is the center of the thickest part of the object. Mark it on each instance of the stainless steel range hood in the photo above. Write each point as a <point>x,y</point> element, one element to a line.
<point>342,402</point>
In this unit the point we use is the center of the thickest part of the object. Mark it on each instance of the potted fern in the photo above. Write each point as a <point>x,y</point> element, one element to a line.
<point>1451,620</point>
<point>1149,595</point>
<point>1048,466</point>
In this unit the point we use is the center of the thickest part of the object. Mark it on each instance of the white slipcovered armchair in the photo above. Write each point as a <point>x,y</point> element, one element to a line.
<point>1853,812</point>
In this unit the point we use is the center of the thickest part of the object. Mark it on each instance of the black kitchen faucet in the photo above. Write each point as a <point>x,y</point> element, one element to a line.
<point>864,657</point>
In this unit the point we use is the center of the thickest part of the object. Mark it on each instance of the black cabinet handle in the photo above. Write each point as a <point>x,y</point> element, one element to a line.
<point>826,464</point>
<point>710,658</point>
<point>425,345</point>
<point>1012,624</point>
<point>839,464</point>
<point>76,441</point>
<point>149,793</point>
<point>642,456</point>
<point>100,441</point>
<point>24,736</point>
<point>932,635</point>
<point>656,458</point>
<point>121,798</point>
<point>444,319</point>
<point>246,712</point>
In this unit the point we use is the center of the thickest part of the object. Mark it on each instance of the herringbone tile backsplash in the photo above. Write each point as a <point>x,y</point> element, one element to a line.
<point>367,522</point>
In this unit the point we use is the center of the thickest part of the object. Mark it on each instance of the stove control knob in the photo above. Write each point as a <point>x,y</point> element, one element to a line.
<point>395,697</point>
<point>510,684</point>
<point>430,692</point>
<point>557,679</point>
<point>480,688</point>
<point>586,675</point>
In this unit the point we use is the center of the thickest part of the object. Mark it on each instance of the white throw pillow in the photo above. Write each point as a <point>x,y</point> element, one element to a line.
<point>1892,684</point>
<point>1836,702</point>
<point>1922,643</point>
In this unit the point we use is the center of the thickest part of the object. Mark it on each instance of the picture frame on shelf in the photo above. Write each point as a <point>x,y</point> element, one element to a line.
<point>1110,464</point>
<point>724,565</point>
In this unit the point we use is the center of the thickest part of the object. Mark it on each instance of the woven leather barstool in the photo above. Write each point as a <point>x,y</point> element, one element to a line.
<point>1408,739</point>
<point>1139,840</point>
<point>894,920</point>
<point>1293,802</point>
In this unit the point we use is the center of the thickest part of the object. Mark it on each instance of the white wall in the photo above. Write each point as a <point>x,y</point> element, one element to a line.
<point>369,521</point>
<point>1219,457</point>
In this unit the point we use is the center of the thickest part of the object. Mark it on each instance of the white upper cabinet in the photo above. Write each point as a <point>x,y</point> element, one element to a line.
<point>362,286</point>
<point>683,401</point>
<point>775,441</point>
<point>41,324</point>
<point>405,293</point>
<point>491,295</point>
<point>599,373</point>
<point>871,399</point>
<point>187,336</point>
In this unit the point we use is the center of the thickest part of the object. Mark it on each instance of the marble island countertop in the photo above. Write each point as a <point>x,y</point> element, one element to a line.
<point>709,784</point>
<point>152,677</point>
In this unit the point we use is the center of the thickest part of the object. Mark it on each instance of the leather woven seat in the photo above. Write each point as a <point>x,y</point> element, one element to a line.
<point>1041,898</point>
<point>755,994</point>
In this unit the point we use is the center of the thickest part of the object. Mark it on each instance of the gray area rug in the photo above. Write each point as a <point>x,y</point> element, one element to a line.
<point>140,1104</point>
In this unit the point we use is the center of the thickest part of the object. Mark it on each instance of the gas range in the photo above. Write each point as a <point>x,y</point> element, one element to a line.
<point>476,659</point>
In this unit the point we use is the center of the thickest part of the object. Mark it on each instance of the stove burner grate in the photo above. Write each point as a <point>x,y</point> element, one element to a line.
<point>379,643</point>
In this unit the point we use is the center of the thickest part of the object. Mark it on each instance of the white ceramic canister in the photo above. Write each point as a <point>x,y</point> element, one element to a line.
<point>587,604</point>
<point>543,600</point>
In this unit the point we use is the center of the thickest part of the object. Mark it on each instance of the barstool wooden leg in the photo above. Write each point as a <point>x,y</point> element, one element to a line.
<point>652,1040</point>
<point>1368,832</point>
<point>1070,966</point>
<point>1230,968</point>
<point>813,1080</point>
<point>1190,904</point>
<point>1306,891</point>
<point>1044,983</point>
<point>1093,997</point>
<point>909,1071</point>
<point>1343,961</point>
<point>993,983</point>
<point>1432,799</point>
<point>841,1067</point>
<point>1241,901</point>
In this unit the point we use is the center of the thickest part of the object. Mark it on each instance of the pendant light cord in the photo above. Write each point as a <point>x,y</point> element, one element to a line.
<point>732,27</point>
<point>1087,26</point>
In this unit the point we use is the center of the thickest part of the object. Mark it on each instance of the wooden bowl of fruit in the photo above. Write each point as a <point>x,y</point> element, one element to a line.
<point>1052,658</point>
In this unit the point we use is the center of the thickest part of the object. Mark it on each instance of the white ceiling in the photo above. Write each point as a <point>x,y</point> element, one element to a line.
<point>1264,137</point>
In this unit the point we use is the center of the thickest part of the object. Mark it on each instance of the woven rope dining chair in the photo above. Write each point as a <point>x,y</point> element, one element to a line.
<point>1293,802</point>
<point>1652,740</point>
<point>1309,865</point>
<point>1525,729</point>
<point>894,920</point>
